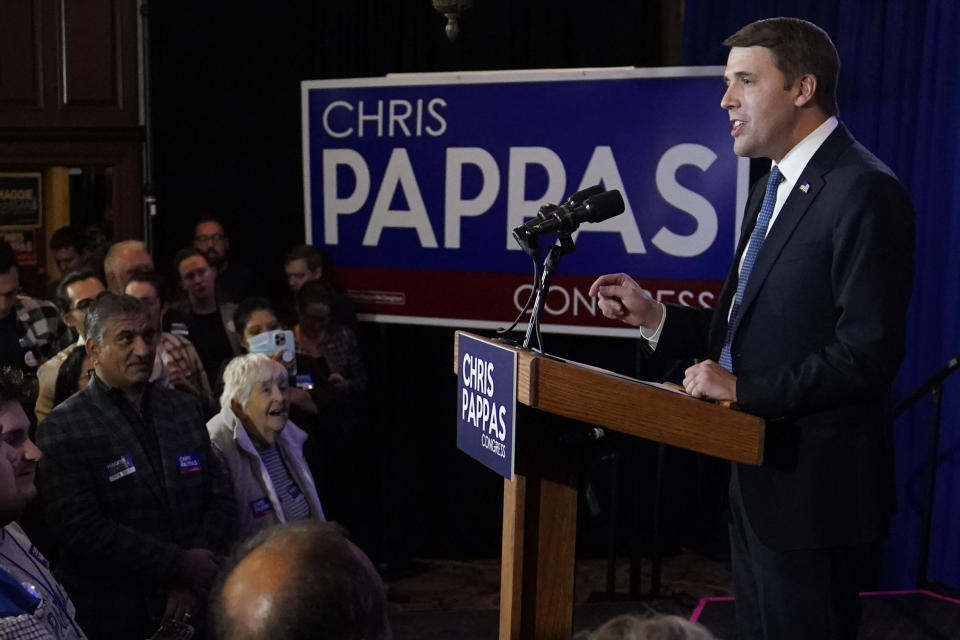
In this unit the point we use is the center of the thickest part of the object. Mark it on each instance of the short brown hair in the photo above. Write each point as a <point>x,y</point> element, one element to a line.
<point>798,47</point>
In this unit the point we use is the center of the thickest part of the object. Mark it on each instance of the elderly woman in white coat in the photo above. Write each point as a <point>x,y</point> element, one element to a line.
<point>262,449</point>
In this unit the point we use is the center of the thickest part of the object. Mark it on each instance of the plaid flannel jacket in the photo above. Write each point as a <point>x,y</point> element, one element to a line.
<point>44,331</point>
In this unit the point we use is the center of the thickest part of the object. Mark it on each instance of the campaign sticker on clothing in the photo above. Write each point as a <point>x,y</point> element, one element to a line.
<point>188,463</point>
<point>261,507</point>
<point>122,466</point>
<point>38,557</point>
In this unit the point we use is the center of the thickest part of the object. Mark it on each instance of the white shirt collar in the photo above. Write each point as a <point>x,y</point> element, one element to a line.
<point>793,164</point>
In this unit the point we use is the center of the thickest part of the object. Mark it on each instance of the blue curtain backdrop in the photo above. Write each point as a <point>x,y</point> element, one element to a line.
<point>899,94</point>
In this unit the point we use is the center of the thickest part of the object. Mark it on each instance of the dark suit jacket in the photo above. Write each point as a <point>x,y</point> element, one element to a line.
<point>120,532</point>
<point>820,336</point>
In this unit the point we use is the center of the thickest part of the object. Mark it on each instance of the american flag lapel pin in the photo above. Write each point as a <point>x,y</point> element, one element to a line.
<point>805,187</point>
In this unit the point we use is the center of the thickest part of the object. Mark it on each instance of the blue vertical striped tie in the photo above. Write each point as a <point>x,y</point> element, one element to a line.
<point>756,242</point>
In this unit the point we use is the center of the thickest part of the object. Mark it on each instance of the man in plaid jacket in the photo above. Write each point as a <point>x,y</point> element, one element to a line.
<point>138,504</point>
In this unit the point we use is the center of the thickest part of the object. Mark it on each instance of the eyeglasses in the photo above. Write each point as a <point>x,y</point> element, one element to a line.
<point>216,238</point>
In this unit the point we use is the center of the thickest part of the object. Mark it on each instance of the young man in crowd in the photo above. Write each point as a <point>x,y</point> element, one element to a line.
<point>208,323</point>
<point>33,605</point>
<point>76,292</point>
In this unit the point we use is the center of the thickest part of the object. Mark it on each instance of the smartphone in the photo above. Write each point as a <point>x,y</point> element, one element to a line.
<point>173,630</point>
<point>271,342</point>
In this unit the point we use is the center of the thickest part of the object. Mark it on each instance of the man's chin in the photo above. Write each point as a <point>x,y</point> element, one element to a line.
<point>26,488</point>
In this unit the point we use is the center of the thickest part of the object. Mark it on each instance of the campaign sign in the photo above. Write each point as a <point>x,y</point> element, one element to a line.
<point>413,184</point>
<point>487,401</point>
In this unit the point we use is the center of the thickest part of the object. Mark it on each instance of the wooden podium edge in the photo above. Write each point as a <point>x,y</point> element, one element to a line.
<point>633,407</point>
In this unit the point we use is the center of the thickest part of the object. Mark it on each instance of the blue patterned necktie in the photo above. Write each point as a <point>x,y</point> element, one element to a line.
<point>756,242</point>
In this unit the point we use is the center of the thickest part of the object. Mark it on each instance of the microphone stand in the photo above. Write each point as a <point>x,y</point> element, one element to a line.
<point>564,246</point>
<point>934,386</point>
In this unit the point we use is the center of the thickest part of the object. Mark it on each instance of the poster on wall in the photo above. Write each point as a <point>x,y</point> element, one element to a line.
<point>20,200</point>
<point>414,182</point>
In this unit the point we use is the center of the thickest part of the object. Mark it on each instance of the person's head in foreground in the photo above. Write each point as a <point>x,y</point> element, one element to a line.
<point>299,580</point>
<point>659,627</point>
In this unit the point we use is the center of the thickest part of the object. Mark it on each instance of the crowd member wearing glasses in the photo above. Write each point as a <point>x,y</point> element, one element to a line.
<point>75,294</point>
<point>235,280</point>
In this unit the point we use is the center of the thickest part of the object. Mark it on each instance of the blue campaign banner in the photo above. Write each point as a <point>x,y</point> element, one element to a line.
<point>487,402</point>
<point>413,184</point>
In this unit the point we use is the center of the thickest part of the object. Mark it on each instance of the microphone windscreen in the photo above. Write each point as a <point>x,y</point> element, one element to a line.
<point>604,206</point>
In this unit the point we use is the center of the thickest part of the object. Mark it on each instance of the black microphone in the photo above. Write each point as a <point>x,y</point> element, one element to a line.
<point>576,199</point>
<point>567,217</point>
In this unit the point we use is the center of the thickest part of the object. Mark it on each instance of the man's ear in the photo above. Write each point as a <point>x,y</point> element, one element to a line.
<point>93,348</point>
<point>806,89</point>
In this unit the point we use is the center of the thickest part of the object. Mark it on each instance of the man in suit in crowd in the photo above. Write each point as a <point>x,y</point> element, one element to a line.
<point>299,580</point>
<point>135,499</point>
<point>808,333</point>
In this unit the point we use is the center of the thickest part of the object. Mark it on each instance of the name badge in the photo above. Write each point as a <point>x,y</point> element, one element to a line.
<point>261,507</point>
<point>188,463</point>
<point>122,466</point>
<point>38,557</point>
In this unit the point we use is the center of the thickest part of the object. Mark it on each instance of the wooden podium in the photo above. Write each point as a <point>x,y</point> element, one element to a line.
<point>540,504</point>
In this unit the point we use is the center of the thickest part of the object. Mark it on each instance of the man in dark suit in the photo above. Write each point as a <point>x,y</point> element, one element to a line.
<point>138,505</point>
<point>808,332</point>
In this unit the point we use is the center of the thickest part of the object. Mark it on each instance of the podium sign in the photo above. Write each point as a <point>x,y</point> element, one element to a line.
<point>486,403</point>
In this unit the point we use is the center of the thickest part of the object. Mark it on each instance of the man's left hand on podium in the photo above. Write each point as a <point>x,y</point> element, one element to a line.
<point>708,379</point>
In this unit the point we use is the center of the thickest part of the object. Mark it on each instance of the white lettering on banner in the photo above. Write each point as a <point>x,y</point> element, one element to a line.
<point>477,406</point>
<point>398,113</point>
<point>580,300</point>
<point>601,168</point>
<point>363,116</point>
<point>334,206</point>
<point>399,173</point>
<point>326,119</point>
<point>577,302</point>
<point>454,206</point>
<point>686,200</point>
<point>518,208</point>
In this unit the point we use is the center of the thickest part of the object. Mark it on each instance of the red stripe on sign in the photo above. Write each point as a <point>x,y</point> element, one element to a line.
<point>497,297</point>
